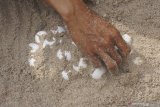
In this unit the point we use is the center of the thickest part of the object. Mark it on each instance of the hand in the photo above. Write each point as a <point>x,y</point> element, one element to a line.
<point>94,36</point>
<point>97,39</point>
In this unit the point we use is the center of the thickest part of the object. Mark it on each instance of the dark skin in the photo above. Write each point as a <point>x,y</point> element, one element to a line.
<point>94,36</point>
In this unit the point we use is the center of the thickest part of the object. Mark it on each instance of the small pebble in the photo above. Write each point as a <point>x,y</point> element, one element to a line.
<point>127,39</point>
<point>41,33</point>
<point>60,29</point>
<point>34,47</point>
<point>65,75</point>
<point>76,68</point>
<point>48,43</point>
<point>32,62</point>
<point>54,31</point>
<point>138,61</point>
<point>60,54</point>
<point>68,56</point>
<point>74,44</point>
<point>81,65</point>
<point>37,39</point>
<point>98,72</point>
<point>60,41</point>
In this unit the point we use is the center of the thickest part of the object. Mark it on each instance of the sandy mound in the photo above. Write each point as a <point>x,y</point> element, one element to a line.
<point>43,84</point>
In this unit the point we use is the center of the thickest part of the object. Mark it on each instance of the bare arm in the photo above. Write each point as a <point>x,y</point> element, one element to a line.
<point>95,37</point>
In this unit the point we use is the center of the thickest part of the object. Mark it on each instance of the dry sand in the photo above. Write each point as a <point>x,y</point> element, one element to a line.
<point>43,85</point>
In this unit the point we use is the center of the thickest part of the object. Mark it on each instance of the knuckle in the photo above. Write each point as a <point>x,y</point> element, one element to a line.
<point>119,59</point>
<point>112,65</point>
<point>127,51</point>
<point>115,33</point>
<point>95,63</point>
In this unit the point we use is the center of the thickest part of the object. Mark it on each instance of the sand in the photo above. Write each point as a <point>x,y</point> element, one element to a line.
<point>22,85</point>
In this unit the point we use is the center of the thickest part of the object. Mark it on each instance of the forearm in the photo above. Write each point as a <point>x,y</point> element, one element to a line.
<point>67,8</point>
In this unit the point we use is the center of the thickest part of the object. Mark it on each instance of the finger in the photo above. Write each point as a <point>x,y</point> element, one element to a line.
<point>114,55</point>
<point>109,62</point>
<point>124,49</point>
<point>95,60</point>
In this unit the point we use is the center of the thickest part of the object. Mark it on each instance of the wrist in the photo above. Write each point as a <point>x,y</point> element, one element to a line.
<point>68,9</point>
<point>64,7</point>
<point>73,9</point>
